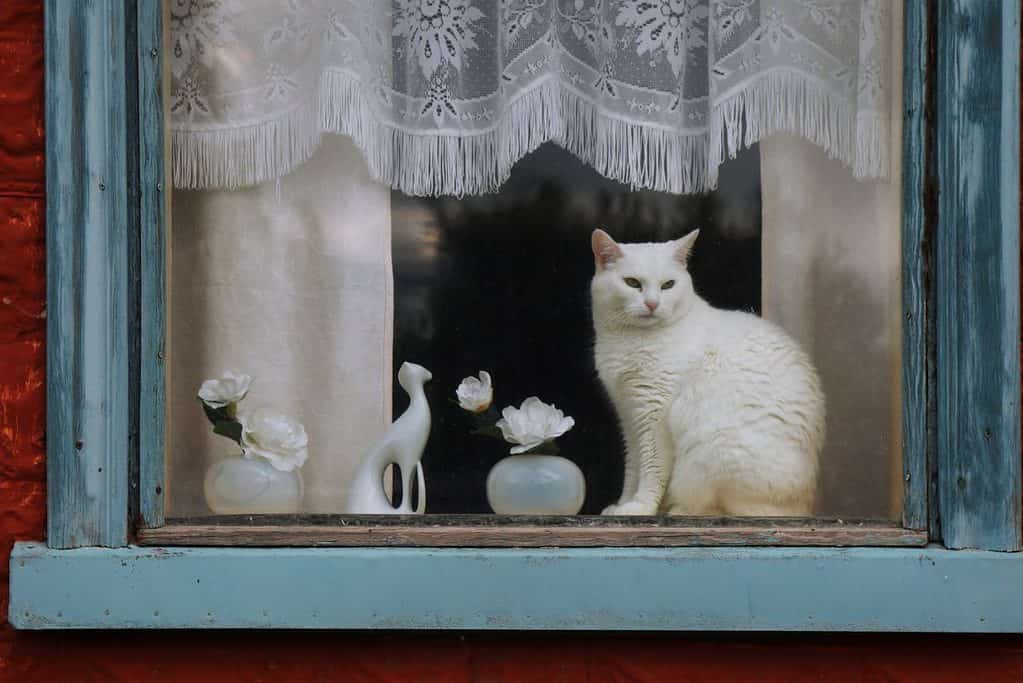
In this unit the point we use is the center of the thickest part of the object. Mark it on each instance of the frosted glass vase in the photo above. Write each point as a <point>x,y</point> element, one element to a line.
<point>237,485</point>
<point>536,485</point>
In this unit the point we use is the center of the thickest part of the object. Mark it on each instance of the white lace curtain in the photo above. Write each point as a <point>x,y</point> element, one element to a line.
<point>444,96</point>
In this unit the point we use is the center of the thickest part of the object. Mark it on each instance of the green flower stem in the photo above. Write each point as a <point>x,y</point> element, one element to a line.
<point>224,421</point>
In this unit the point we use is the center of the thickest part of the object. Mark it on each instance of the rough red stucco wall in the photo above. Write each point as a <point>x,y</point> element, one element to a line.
<point>197,656</point>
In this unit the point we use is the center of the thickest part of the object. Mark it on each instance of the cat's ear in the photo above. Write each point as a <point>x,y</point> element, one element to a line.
<point>605,250</point>
<point>684,246</point>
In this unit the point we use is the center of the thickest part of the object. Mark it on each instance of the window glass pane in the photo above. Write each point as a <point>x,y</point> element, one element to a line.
<point>304,271</point>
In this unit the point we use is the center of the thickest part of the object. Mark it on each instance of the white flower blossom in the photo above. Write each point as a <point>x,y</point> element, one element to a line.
<point>275,437</point>
<point>231,388</point>
<point>532,424</point>
<point>476,395</point>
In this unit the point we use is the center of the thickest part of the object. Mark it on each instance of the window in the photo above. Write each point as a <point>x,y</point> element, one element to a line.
<point>960,467</point>
<point>317,281</point>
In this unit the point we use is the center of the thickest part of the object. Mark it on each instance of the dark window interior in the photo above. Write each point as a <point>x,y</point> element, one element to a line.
<point>501,283</point>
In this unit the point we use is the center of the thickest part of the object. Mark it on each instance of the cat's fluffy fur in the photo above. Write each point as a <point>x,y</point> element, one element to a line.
<point>721,411</point>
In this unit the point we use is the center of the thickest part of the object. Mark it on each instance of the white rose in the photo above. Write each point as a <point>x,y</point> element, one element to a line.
<point>532,424</point>
<point>475,395</point>
<point>275,437</point>
<point>231,388</point>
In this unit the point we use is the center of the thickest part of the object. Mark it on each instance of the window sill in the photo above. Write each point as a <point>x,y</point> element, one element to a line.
<point>650,589</point>
<point>496,531</point>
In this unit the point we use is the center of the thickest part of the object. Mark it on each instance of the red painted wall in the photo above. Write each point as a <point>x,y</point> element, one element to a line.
<point>224,657</point>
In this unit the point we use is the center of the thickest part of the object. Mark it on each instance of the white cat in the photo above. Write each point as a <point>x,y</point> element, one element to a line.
<point>722,412</point>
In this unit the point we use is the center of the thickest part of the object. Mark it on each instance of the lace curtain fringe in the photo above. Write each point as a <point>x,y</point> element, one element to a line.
<point>443,97</point>
<point>432,163</point>
<point>786,102</point>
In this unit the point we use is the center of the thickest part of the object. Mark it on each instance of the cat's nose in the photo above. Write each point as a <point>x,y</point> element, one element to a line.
<point>652,305</point>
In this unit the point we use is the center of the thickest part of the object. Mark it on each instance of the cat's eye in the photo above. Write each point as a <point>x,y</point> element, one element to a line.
<point>668,285</point>
<point>634,283</point>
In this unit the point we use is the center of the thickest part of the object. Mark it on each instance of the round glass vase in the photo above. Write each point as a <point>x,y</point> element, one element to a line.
<point>237,485</point>
<point>534,484</point>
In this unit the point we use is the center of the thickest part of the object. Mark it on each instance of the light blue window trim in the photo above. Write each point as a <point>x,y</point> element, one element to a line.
<point>152,203</point>
<point>648,589</point>
<point>105,394</point>
<point>88,420</point>
<point>977,274</point>
<point>918,423</point>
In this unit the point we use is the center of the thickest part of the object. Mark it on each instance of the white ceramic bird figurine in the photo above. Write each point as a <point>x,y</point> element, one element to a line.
<point>402,444</point>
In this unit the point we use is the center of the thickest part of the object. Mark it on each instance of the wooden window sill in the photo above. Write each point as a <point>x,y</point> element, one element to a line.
<point>524,532</point>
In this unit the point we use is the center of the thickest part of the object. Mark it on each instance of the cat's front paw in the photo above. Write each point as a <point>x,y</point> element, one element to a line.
<point>633,507</point>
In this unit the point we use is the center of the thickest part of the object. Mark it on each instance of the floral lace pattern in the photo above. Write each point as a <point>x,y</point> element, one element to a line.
<point>444,96</point>
<point>438,31</point>
<point>198,27</point>
<point>673,28</point>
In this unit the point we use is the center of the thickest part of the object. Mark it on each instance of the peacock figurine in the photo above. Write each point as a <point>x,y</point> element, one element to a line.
<point>402,444</point>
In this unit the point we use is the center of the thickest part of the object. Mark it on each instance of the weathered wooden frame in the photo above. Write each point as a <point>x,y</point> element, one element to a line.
<point>105,179</point>
<point>504,531</point>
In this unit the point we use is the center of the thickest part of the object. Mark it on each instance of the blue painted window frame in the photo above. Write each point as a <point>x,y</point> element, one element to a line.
<point>105,261</point>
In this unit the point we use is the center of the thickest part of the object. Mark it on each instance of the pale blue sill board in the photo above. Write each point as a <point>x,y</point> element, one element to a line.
<point>715,589</point>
